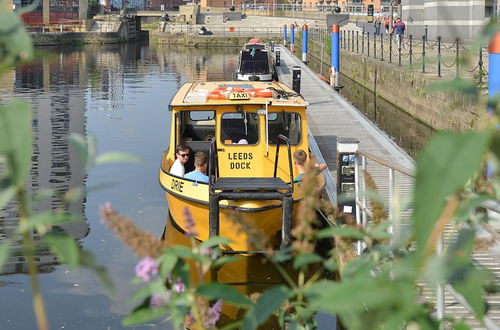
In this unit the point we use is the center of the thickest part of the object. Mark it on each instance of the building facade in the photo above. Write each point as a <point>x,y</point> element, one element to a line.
<point>462,19</point>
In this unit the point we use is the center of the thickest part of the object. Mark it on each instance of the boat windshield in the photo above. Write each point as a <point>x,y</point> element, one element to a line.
<point>286,123</point>
<point>240,128</point>
<point>254,61</point>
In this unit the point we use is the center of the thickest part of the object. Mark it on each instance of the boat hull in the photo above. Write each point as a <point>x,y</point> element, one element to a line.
<point>235,217</point>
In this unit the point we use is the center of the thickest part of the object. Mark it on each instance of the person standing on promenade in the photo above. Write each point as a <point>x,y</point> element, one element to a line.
<point>400,29</point>
<point>377,25</point>
<point>386,24</point>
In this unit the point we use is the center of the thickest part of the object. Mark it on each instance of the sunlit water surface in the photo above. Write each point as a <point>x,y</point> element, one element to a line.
<point>120,95</point>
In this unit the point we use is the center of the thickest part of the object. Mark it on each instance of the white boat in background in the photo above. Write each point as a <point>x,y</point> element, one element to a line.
<point>256,62</point>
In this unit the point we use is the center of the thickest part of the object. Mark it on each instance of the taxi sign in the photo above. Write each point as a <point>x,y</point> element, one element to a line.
<point>239,96</point>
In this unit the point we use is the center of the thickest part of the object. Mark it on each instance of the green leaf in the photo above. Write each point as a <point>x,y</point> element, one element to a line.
<point>215,241</point>
<point>345,232</point>
<point>221,261</point>
<point>167,263</point>
<point>77,141</point>
<point>42,220</point>
<point>15,40</point>
<point>225,292</point>
<point>183,252</point>
<point>140,294</point>
<point>7,191</point>
<point>143,314</point>
<point>87,259</point>
<point>443,168</point>
<point>64,247</point>
<point>331,265</point>
<point>4,252</point>
<point>116,157</point>
<point>306,259</point>
<point>16,139</point>
<point>269,302</point>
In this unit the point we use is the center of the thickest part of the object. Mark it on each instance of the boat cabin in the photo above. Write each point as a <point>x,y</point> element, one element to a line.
<point>249,131</point>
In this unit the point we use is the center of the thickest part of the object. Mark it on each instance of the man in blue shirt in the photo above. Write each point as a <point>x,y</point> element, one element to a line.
<point>400,29</point>
<point>200,164</point>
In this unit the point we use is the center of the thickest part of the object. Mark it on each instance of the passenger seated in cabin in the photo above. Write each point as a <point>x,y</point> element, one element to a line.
<point>201,165</point>
<point>182,157</point>
<point>300,162</point>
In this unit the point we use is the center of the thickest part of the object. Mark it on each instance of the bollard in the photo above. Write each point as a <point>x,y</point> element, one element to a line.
<point>494,68</point>
<point>284,35</point>
<point>493,80</point>
<point>292,38</point>
<point>278,58</point>
<point>335,57</point>
<point>304,43</point>
<point>296,79</point>
<point>272,46</point>
<point>457,56</point>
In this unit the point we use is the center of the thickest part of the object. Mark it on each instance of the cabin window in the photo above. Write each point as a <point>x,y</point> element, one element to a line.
<point>240,128</point>
<point>285,123</point>
<point>254,61</point>
<point>197,125</point>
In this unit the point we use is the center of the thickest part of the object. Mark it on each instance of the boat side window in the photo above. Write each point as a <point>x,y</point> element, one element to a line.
<point>286,123</point>
<point>197,125</point>
<point>240,128</point>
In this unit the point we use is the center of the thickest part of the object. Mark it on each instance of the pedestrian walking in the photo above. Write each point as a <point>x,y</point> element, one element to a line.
<point>400,28</point>
<point>377,25</point>
<point>386,24</point>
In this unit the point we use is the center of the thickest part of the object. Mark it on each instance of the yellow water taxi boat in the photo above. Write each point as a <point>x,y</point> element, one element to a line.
<point>249,130</point>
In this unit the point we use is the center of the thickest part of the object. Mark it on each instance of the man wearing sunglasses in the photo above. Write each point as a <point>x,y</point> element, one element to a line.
<point>182,157</point>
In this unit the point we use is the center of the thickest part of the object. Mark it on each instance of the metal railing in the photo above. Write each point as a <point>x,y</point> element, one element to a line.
<point>443,59</point>
<point>224,30</point>
<point>391,195</point>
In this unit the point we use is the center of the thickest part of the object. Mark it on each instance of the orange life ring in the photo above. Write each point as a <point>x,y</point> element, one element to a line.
<point>264,93</point>
<point>216,95</point>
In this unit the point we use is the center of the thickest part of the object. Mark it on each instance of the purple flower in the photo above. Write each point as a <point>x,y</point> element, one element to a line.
<point>179,286</point>
<point>213,314</point>
<point>146,269</point>
<point>190,225</point>
<point>159,300</point>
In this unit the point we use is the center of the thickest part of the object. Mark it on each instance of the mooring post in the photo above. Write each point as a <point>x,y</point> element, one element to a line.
<point>284,35</point>
<point>335,57</point>
<point>305,33</point>
<point>278,58</point>
<point>493,79</point>
<point>213,218</point>
<point>286,222</point>
<point>296,79</point>
<point>292,38</point>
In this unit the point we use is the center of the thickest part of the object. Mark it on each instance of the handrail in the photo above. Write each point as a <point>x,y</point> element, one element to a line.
<point>212,163</point>
<point>284,138</point>
<point>402,170</point>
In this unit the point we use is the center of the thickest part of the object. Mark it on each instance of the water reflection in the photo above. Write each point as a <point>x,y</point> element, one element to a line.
<point>248,274</point>
<point>118,93</point>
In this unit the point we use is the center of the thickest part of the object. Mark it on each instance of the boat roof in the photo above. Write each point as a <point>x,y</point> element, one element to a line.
<point>200,93</point>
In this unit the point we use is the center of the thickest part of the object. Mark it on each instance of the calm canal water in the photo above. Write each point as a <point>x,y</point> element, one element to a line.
<point>120,95</point>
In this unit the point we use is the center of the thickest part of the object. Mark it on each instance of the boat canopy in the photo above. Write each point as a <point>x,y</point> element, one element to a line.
<point>227,93</point>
